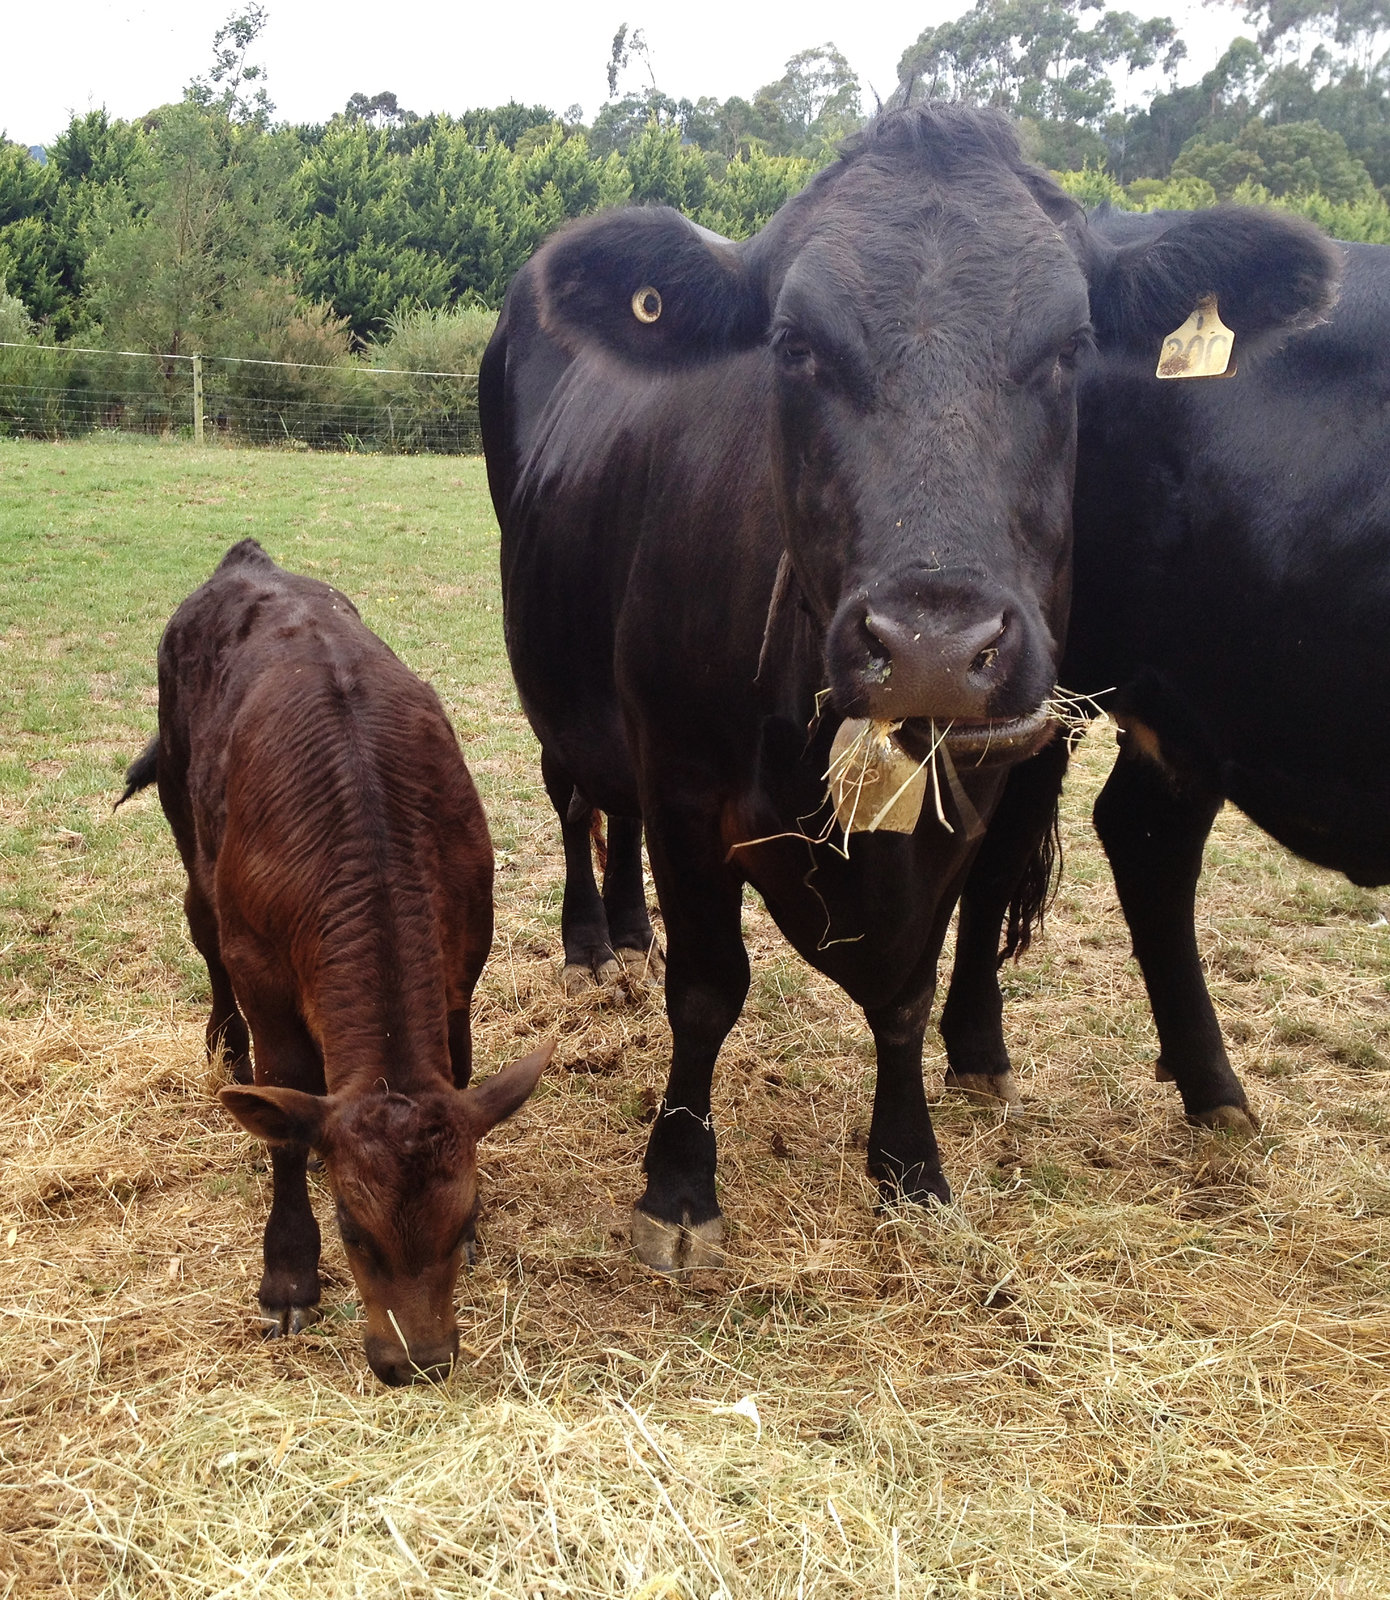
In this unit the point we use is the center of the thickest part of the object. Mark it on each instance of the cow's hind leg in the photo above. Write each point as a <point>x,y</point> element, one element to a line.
<point>1153,832</point>
<point>625,901</point>
<point>226,1030</point>
<point>589,954</point>
<point>1016,845</point>
<point>677,1222</point>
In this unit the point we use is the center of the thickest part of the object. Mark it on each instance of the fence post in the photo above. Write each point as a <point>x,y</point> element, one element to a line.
<point>197,399</point>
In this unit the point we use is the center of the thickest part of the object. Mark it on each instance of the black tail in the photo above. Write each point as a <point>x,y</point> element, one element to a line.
<point>141,772</point>
<point>1036,890</point>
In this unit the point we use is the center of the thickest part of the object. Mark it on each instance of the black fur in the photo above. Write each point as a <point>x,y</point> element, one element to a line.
<point>590,272</point>
<point>1032,899</point>
<point>1269,272</point>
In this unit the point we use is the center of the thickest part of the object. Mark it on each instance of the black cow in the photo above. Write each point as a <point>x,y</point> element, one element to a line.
<point>748,490</point>
<point>1232,584</point>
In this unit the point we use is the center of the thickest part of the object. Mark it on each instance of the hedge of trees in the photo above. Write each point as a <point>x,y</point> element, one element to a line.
<point>206,226</point>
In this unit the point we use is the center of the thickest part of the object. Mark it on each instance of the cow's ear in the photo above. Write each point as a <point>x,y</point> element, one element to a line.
<point>648,285</point>
<point>279,1116</point>
<point>492,1101</point>
<point>1270,273</point>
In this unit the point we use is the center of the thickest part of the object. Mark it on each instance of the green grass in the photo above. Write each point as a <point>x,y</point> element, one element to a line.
<point>99,542</point>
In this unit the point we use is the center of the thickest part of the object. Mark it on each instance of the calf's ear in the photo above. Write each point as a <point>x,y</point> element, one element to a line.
<point>648,285</point>
<point>1270,273</point>
<point>280,1116</point>
<point>487,1104</point>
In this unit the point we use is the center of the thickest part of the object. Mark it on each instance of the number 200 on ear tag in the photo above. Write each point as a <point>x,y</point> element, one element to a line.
<point>1204,347</point>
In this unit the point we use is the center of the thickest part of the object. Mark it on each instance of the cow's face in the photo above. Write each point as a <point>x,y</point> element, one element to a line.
<point>923,338</point>
<point>913,321</point>
<point>404,1177</point>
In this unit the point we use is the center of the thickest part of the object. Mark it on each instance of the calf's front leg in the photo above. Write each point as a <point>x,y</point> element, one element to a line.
<point>287,1057</point>
<point>903,1154</point>
<point>972,1019</point>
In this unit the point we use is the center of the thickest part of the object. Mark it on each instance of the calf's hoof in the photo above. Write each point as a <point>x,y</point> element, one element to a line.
<point>1228,1119</point>
<point>986,1089</point>
<point>1161,1073</point>
<point>278,1321</point>
<point>677,1246</point>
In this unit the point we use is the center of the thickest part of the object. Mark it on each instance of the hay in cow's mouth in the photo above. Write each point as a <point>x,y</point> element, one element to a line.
<point>981,743</point>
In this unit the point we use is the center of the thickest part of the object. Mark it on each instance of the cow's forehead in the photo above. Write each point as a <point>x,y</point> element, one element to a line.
<point>889,232</point>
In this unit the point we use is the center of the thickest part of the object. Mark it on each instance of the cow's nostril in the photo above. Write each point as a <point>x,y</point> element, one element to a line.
<point>986,659</point>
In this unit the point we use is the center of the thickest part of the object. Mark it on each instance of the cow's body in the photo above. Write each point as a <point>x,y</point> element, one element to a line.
<point>831,476</point>
<point>1232,586</point>
<point>340,890</point>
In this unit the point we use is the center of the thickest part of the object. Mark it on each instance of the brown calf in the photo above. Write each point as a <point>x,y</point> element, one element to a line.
<point>340,890</point>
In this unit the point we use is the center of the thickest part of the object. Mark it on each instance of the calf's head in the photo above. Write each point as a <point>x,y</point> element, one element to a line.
<point>911,328</point>
<point>404,1177</point>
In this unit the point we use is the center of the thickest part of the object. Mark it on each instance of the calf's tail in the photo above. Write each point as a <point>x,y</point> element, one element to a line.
<point>141,772</point>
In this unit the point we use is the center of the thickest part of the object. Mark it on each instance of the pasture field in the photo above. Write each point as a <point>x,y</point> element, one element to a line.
<point>1133,1359</point>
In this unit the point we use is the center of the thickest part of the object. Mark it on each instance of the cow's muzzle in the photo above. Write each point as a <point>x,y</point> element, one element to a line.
<point>949,650</point>
<point>980,744</point>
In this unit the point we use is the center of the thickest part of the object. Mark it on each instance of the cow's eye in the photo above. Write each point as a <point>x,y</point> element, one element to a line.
<point>1074,348</point>
<point>795,354</point>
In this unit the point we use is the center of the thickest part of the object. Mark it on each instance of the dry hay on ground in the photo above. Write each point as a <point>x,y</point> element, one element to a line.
<point>1134,1359</point>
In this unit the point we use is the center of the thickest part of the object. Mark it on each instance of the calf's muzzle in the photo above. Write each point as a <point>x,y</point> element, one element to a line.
<point>424,1362</point>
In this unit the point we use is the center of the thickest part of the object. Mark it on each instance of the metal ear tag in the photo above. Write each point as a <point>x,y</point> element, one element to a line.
<point>1204,347</point>
<point>646,304</point>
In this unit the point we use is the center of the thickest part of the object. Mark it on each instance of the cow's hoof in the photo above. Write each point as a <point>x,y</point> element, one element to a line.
<point>278,1321</point>
<point>986,1089</point>
<point>674,1246</point>
<point>1161,1073</point>
<point>644,968</point>
<point>579,980</point>
<point>917,1188</point>
<point>1228,1119</point>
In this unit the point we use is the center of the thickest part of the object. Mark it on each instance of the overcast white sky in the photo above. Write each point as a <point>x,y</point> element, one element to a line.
<point>441,56</point>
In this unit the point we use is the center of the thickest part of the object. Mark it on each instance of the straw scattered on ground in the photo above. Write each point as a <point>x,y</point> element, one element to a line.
<point>1134,1358</point>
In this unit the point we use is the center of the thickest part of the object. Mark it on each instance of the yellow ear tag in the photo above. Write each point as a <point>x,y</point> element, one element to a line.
<point>1204,347</point>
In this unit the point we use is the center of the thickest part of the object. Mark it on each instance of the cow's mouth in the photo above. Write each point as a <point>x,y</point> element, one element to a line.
<point>980,742</point>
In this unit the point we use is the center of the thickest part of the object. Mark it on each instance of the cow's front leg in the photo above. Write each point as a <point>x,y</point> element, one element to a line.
<point>677,1222</point>
<point>1010,878</point>
<point>1153,833</point>
<point>903,1155</point>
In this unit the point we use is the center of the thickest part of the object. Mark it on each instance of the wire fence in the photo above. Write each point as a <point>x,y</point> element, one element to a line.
<point>63,392</point>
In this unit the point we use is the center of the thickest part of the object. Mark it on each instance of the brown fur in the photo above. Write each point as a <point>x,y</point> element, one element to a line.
<point>340,890</point>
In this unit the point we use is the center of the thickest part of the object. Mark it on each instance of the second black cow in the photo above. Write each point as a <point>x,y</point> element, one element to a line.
<point>1232,587</point>
<point>747,491</point>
